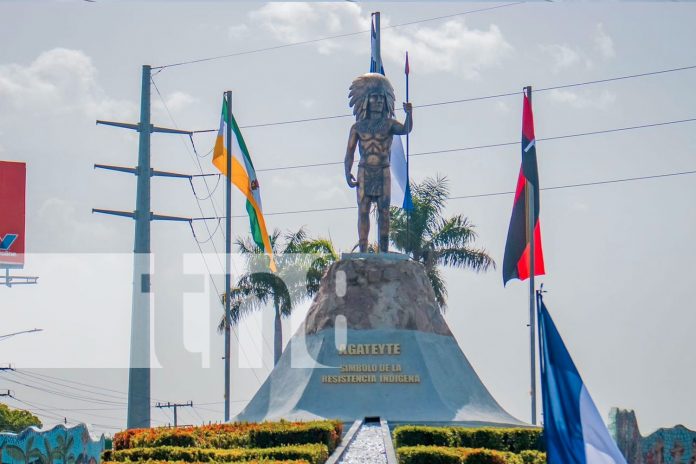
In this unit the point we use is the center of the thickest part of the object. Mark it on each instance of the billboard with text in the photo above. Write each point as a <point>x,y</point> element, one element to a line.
<point>12,213</point>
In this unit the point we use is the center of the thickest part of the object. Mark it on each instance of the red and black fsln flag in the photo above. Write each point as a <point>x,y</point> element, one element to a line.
<point>516,260</point>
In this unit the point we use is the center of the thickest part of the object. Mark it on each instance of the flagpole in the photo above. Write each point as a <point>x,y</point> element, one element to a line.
<point>532,294</point>
<point>408,173</point>
<point>228,251</point>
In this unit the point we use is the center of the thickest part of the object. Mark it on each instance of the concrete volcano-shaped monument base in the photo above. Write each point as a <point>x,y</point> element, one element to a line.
<point>374,343</point>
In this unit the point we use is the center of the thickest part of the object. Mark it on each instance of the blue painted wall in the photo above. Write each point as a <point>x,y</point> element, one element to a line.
<point>676,445</point>
<point>59,445</point>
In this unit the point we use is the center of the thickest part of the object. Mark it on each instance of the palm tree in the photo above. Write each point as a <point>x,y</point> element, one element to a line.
<point>321,254</point>
<point>434,240</point>
<point>64,444</point>
<point>27,455</point>
<point>51,453</point>
<point>301,262</point>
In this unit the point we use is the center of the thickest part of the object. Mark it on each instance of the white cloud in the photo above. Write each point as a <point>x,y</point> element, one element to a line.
<point>452,46</point>
<point>238,31</point>
<point>604,43</point>
<point>300,21</point>
<point>308,103</point>
<point>60,81</point>
<point>175,101</point>
<point>582,101</point>
<point>564,56</point>
<point>502,107</point>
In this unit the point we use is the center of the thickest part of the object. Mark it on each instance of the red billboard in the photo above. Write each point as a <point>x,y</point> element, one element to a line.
<point>13,178</point>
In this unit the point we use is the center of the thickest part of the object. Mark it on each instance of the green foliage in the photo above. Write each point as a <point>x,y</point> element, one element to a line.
<point>327,433</point>
<point>264,461</point>
<point>427,455</point>
<point>445,455</point>
<point>235,435</point>
<point>533,457</point>
<point>312,453</point>
<point>513,440</point>
<point>413,435</point>
<point>434,240</point>
<point>16,420</point>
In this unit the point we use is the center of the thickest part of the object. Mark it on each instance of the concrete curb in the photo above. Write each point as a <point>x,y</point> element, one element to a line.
<point>345,442</point>
<point>388,444</point>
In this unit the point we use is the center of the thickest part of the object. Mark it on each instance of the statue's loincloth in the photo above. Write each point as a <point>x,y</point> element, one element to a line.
<point>373,180</point>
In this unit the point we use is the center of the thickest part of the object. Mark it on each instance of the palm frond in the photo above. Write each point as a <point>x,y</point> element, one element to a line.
<point>455,232</point>
<point>293,240</point>
<point>439,286</point>
<point>477,260</point>
<point>246,246</point>
<point>247,296</point>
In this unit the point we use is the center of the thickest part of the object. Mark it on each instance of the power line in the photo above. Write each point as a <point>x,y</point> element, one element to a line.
<point>472,99</point>
<point>321,39</point>
<point>217,292</point>
<point>197,158</point>
<point>491,194</point>
<point>67,395</point>
<point>44,378</point>
<point>47,413</point>
<point>496,145</point>
<point>120,397</point>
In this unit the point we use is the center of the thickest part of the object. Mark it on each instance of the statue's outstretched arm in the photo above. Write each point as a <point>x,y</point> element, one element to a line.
<point>350,153</point>
<point>407,126</point>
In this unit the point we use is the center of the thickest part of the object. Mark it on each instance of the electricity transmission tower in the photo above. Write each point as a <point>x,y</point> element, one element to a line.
<point>139,370</point>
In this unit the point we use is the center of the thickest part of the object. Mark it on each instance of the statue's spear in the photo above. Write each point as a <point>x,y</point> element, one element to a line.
<point>408,202</point>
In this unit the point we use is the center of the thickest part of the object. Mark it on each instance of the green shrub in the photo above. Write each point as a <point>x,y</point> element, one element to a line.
<point>487,456</point>
<point>265,461</point>
<point>235,435</point>
<point>325,432</point>
<point>312,453</point>
<point>533,457</point>
<point>448,455</point>
<point>411,435</point>
<point>501,439</point>
<point>427,455</point>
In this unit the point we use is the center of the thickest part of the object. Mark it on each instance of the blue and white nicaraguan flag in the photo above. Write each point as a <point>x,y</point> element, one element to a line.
<point>573,428</point>
<point>400,190</point>
<point>376,54</point>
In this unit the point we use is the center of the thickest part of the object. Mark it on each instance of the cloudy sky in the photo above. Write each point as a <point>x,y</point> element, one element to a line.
<point>619,256</point>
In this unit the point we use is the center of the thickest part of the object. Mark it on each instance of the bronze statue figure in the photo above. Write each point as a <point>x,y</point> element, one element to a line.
<point>372,99</point>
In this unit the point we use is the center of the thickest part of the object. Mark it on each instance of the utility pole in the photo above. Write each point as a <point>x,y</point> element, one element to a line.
<point>228,251</point>
<point>174,406</point>
<point>9,393</point>
<point>139,370</point>
<point>532,312</point>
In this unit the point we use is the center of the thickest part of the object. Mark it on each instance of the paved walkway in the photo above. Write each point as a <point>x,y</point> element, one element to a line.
<point>367,447</point>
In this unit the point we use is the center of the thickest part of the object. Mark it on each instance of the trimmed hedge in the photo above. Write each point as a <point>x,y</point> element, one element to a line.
<point>246,462</point>
<point>513,440</point>
<point>533,457</point>
<point>313,454</point>
<point>238,435</point>
<point>445,455</point>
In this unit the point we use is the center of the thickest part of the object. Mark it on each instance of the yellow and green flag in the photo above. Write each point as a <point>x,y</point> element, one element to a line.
<point>244,177</point>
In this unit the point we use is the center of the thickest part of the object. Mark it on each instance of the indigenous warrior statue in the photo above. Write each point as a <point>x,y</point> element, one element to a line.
<point>372,99</point>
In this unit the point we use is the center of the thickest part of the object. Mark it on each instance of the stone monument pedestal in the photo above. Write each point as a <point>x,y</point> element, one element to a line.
<point>374,344</point>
